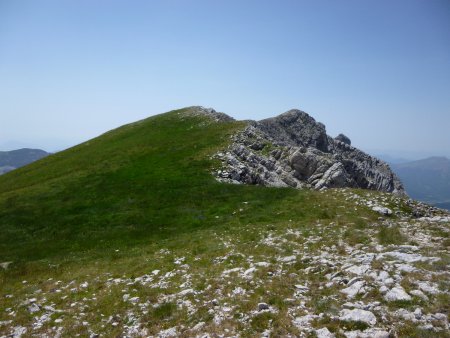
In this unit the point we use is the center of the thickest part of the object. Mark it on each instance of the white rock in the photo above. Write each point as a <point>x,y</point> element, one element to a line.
<point>419,294</point>
<point>405,315</point>
<point>354,289</point>
<point>405,268</point>
<point>389,281</point>
<point>185,292</point>
<point>418,313</point>
<point>249,272</point>
<point>19,331</point>
<point>357,315</point>
<point>238,291</point>
<point>302,322</point>
<point>358,269</point>
<point>262,264</point>
<point>397,293</point>
<point>301,287</point>
<point>172,332</point>
<point>384,289</point>
<point>49,308</point>
<point>428,288</point>
<point>227,272</point>
<point>324,333</point>
<point>198,326</point>
<point>5,265</point>
<point>408,257</point>
<point>382,210</point>
<point>369,333</point>
<point>287,259</point>
<point>440,316</point>
<point>382,276</point>
<point>33,307</point>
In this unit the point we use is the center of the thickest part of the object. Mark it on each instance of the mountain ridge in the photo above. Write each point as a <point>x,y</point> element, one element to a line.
<point>10,160</point>
<point>129,234</point>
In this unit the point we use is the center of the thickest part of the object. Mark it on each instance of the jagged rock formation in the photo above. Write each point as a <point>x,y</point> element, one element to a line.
<point>294,150</point>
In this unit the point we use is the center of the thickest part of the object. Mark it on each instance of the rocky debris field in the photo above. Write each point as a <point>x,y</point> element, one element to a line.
<point>383,278</point>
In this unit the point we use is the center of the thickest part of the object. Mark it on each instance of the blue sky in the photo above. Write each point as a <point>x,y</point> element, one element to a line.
<point>378,71</point>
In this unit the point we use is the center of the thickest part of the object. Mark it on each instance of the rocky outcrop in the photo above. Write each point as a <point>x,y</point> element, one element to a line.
<point>344,139</point>
<point>294,150</point>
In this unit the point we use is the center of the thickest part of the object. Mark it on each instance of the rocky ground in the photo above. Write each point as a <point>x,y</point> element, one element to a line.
<point>383,278</point>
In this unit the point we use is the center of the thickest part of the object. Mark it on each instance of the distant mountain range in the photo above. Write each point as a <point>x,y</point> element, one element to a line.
<point>10,160</point>
<point>426,180</point>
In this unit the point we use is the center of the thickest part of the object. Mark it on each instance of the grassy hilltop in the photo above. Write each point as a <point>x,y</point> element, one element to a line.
<point>130,234</point>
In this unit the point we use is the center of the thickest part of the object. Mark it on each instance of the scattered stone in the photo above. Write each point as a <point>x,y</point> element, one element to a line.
<point>19,331</point>
<point>324,333</point>
<point>172,332</point>
<point>382,210</point>
<point>185,292</point>
<point>33,307</point>
<point>419,294</point>
<point>5,265</point>
<point>397,293</point>
<point>301,288</point>
<point>357,315</point>
<point>354,289</point>
<point>428,288</point>
<point>288,259</point>
<point>418,313</point>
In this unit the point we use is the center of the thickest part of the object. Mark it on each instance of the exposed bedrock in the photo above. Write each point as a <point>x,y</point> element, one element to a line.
<point>294,150</point>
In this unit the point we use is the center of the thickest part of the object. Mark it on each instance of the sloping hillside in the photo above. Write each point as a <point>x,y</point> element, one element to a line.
<point>129,234</point>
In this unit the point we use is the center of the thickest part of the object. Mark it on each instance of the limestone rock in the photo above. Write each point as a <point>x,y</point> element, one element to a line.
<point>324,333</point>
<point>382,210</point>
<point>397,293</point>
<point>293,150</point>
<point>357,315</point>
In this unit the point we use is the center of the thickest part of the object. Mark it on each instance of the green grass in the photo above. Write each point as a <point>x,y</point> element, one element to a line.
<point>140,183</point>
<point>391,235</point>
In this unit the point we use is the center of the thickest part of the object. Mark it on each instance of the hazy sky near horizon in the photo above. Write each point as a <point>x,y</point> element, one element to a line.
<point>377,71</point>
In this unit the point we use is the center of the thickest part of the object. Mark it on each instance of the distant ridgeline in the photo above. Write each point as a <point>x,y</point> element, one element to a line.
<point>10,160</point>
<point>427,180</point>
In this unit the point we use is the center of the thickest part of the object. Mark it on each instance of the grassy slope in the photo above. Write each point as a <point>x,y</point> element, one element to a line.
<point>144,181</point>
<point>112,206</point>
